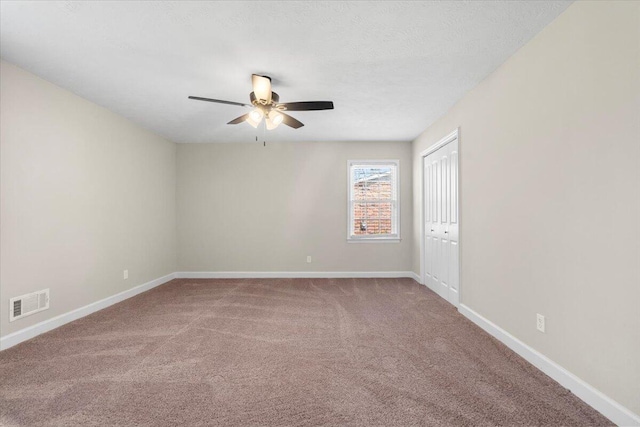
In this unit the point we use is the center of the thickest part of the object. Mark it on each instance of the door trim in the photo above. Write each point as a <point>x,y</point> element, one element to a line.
<point>444,141</point>
<point>455,134</point>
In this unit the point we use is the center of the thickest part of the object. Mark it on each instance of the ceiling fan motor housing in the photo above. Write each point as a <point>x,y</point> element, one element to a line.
<point>275,98</point>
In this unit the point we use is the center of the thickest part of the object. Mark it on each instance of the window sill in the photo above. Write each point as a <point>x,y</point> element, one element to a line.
<point>374,240</point>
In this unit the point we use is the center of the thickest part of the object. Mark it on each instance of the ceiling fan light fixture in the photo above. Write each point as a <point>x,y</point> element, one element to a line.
<point>255,117</point>
<point>270,124</point>
<point>257,114</point>
<point>275,117</point>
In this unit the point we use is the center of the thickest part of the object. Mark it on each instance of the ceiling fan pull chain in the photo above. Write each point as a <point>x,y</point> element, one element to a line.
<point>264,130</point>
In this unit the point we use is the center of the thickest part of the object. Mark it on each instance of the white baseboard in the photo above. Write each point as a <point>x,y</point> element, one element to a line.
<point>39,328</point>
<point>596,399</point>
<point>415,276</point>
<point>291,274</point>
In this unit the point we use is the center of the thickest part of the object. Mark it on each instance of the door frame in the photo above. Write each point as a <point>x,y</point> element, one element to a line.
<point>455,134</point>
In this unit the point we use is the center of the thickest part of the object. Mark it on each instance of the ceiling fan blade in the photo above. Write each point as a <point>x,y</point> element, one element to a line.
<point>219,101</point>
<point>307,105</point>
<point>262,88</point>
<point>239,119</point>
<point>290,121</point>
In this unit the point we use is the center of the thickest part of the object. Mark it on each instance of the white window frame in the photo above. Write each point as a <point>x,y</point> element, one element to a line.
<point>387,238</point>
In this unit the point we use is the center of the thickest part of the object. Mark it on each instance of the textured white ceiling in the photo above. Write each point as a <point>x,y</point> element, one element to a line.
<point>391,68</point>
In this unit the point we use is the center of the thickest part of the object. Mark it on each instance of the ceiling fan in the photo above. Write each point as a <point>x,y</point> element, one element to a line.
<point>267,105</point>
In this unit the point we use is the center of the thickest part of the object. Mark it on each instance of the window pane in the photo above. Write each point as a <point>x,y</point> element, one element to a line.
<point>379,210</point>
<point>372,218</point>
<point>360,191</point>
<point>372,183</point>
<point>360,226</point>
<point>385,226</point>
<point>380,189</point>
<point>359,213</point>
<point>373,226</point>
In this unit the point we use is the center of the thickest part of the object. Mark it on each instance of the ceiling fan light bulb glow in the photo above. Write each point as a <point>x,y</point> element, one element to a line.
<point>270,125</point>
<point>256,115</point>
<point>275,117</point>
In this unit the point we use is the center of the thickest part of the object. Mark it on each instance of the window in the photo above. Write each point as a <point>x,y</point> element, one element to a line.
<point>373,201</point>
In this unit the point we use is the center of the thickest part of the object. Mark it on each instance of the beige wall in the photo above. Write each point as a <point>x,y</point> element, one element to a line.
<point>550,194</point>
<point>245,207</point>
<point>85,194</point>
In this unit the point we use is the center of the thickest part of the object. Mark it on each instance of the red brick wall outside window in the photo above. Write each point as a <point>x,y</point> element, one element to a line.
<point>372,218</point>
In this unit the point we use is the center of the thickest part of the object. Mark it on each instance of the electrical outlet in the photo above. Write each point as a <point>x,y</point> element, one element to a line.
<point>126,274</point>
<point>308,259</point>
<point>540,322</point>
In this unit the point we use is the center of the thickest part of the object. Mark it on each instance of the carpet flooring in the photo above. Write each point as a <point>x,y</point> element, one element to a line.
<point>276,352</point>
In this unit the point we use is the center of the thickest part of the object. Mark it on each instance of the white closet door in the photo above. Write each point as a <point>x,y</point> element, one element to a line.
<point>441,210</point>
<point>430,217</point>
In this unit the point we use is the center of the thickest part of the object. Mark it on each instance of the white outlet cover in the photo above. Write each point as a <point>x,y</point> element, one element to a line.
<point>308,258</point>
<point>126,274</point>
<point>540,322</point>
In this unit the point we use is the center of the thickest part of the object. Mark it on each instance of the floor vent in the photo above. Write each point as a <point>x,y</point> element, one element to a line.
<point>28,304</point>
